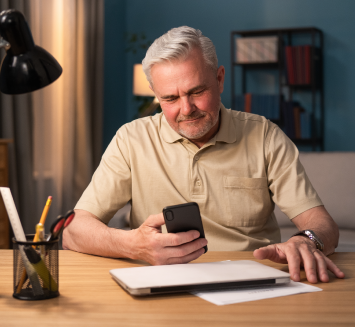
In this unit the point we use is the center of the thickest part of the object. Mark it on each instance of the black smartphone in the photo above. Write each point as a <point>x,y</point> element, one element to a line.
<point>184,217</point>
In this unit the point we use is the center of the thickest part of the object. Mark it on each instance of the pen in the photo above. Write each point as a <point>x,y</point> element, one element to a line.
<point>35,239</point>
<point>41,269</point>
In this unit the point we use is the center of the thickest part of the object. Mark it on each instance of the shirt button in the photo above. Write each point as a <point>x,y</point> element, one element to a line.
<point>198,183</point>
<point>196,158</point>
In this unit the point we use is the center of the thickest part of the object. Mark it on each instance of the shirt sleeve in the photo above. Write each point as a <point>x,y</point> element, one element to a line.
<point>289,184</point>
<point>111,185</point>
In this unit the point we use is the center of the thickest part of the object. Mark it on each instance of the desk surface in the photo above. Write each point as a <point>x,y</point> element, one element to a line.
<point>90,297</point>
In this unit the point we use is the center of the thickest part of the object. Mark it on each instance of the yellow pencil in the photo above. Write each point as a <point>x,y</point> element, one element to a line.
<point>44,216</point>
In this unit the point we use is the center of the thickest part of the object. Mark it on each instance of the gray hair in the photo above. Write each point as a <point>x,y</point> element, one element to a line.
<point>176,44</point>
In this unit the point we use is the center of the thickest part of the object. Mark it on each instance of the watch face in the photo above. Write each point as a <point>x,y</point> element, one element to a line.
<point>315,239</point>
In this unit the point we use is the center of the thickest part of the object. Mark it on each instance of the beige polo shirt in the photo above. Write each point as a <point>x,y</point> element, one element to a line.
<point>235,178</point>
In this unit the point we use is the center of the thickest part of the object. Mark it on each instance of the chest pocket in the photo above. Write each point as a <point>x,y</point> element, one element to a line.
<point>248,199</point>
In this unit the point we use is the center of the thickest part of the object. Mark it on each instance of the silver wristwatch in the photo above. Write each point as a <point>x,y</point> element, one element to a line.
<point>312,236</point>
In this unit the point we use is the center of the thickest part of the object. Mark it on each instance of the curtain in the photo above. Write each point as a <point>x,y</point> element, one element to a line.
<point>57,130</point>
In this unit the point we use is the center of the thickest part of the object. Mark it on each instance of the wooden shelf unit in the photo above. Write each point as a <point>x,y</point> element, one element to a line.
<point>286,37</point>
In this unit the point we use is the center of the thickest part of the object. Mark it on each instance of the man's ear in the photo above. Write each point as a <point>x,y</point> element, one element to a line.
<point>220,78</point>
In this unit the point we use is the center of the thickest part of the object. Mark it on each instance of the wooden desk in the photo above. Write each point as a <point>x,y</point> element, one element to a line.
<point>90,297</point>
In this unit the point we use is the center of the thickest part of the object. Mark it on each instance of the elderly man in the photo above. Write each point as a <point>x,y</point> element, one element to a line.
<point>235,165</point>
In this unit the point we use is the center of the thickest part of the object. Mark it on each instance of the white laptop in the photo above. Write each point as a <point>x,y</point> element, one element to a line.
<point>151,280</point>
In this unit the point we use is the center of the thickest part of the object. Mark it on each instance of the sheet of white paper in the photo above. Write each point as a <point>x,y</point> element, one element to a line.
<point>253,294</point>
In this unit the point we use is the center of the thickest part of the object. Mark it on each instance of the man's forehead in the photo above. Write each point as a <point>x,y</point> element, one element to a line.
<point>184,75</point>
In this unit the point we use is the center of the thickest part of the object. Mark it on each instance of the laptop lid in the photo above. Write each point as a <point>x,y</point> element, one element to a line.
<point>197,277</point>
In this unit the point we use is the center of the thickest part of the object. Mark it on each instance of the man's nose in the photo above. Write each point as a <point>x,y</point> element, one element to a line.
<point>187,106</point>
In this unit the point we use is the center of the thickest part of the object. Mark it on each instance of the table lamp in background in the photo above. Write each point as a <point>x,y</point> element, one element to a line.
<point>26,66</point>
<point>141,88</point>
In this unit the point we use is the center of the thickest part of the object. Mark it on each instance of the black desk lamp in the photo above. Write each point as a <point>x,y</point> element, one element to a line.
<point>26,66</point>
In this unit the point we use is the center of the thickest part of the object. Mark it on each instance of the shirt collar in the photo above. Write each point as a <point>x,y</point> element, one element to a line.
<point>167,133</point>
<point>226,132</point>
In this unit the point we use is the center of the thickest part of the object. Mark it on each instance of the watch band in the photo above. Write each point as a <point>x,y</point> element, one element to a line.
<point>312,236</point>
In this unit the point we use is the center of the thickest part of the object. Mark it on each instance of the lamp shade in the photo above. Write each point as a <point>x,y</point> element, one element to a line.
<point>140,83</point>
<point>26,67</point>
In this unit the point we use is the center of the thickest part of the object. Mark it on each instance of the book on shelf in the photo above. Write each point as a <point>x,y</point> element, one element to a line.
<point>288,116</point>
<point>289,71</point>
<point>297,121</point>
<point>305,118</point>
<point>298,64</point>
<point>267,105</point>
<point>257,50</point>
<point>297,118</point>
<point>307,67</point>
<point>247,102</point>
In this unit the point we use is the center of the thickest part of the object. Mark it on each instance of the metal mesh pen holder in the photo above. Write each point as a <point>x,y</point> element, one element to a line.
<point>36,275</point>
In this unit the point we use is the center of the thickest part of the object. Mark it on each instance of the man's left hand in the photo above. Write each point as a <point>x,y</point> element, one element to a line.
<point>300,251</point>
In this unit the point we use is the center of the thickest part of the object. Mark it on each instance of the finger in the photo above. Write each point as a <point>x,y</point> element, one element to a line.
<point>176,239</point>
<point>259,254</point>
<point>333,268</point>
<point>187,248</point>
<point>293,258</point>
<point>155,221</point>
<point>165,254</point>
<point>311,263</point>
<point>187,258</point>
<point>270,252</point>
<point>322,267</point>
<point>263,253</point>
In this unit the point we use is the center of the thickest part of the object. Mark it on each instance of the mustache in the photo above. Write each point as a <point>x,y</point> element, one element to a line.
<point>194,115</point>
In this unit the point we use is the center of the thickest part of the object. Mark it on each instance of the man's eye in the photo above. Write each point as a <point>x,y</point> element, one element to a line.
<point>170,100</point>
<point>198,92</point>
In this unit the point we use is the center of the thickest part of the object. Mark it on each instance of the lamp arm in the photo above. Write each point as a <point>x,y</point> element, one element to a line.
<point>4,44</point>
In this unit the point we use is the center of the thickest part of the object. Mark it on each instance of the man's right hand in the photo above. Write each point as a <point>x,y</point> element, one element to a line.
<point>87,234</point>
<point>149,244</point>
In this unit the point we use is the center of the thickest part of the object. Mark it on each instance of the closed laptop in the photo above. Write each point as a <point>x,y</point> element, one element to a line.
<point>197,277</point>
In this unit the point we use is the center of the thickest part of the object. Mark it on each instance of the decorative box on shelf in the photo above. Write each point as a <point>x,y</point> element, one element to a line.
<point>252,50</point>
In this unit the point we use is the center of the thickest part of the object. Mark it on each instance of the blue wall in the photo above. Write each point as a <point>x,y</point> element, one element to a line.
<point>217,19</point>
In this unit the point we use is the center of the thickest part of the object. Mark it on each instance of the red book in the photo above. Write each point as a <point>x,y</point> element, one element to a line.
<point>290,68</point>
<point>303,65</point>
<point>294,61</point>
<point>299,70</point>
<point>247,102</point>
<point>307,67</point>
